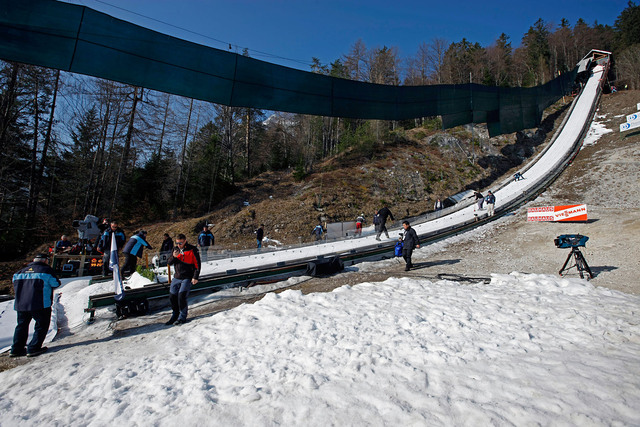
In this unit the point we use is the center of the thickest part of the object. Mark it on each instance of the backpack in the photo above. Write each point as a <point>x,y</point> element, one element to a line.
<point>376,219</point>
<point>398,249</point>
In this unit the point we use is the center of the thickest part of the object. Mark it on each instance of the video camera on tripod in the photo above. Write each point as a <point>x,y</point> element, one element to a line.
<point>87,228</point>
<point>574,241</point>
<point>565,241</point>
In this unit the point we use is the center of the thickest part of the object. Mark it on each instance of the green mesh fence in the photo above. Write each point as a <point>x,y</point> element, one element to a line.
<point>81,40</point>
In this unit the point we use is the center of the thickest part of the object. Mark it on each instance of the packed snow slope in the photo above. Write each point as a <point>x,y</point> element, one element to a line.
<point>521,349</point>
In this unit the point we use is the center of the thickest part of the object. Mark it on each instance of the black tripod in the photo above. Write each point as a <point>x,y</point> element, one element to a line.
<point>580,263</point>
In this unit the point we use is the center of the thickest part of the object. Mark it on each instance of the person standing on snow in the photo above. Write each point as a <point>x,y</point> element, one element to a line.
<point>33,287</point>
<point>376,222</point>
<point>383,214</point>
<point>104,246</point>
<point>133,250</point>
<point>410,242</point>
<point>479,200</point>
<point>185,259</point>
<point>491,203</point>
<point>206,239</point>
<point>359,224</point>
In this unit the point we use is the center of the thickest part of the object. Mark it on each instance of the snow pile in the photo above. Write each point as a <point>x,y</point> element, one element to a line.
<point>596,130</point>
<point>523,349</point>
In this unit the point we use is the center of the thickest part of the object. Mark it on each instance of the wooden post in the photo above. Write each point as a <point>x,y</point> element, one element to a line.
<point>81,270</point>
<point>169,272</point>
<point>146,260</point>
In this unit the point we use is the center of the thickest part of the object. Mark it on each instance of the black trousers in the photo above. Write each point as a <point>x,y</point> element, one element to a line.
<point>406,254</point>
<point>130,264</point>
<point>21,334</point>
<point>382,228</point>
<point>106,257</point>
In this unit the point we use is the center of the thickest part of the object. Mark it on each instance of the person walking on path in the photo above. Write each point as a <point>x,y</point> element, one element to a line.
<point>376,222</point>
<point>437,205</point>
<point>491,203</point>
<point>206,239</point>
<point>479,200</point>
<point>133,250</point>
<point>410,242</point>
<point>33,286</point>
<point>185,259</point>
<point>317,231</point>
<point>384,213</point>
<point>359,224</point>
<point>260,235</point>
<point>104,246</point>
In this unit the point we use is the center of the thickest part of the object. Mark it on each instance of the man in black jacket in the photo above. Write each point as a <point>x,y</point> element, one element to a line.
<point>410,242</point>
<point>260,235</point>
<point>185,259</point>
<point>167,244</point>
<point>383,214</point>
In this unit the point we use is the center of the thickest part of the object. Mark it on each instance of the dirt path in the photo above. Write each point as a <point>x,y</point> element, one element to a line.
<point>605,176</point>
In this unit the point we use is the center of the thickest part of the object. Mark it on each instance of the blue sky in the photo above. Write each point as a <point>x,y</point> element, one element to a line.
<point>301,29</point>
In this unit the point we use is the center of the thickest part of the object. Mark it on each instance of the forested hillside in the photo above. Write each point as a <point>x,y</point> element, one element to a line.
<point>73,145</point>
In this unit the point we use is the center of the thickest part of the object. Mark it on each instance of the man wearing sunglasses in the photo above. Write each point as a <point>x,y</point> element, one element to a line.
<point>185,259</point>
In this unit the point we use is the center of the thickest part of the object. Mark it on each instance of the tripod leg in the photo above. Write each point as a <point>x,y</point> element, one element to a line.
<point>565,263</point>
<point>585,266</point>
<point>579,266</point>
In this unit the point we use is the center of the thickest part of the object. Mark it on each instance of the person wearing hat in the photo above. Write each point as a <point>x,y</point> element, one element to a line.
<point>33,287</point>
<point>359,224</point>
<point>133,250</point>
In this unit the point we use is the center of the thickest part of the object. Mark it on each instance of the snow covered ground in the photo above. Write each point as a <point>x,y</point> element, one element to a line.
<point>522,349</point>
<point>596,130</point>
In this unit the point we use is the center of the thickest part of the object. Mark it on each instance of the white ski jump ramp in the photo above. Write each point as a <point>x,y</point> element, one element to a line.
<point>553,158</point>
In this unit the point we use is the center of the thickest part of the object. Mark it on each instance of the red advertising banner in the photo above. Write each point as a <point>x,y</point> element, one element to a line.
<point>558,213</point>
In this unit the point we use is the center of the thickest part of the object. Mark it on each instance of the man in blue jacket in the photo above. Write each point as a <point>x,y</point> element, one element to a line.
<point>104,246</point>
<point>206,239</point>
<point>491,203</point>
<point>33,286</point>
<point>133,250</point>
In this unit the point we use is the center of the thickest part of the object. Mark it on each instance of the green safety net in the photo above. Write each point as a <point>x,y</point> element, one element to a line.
<point>81,40</point>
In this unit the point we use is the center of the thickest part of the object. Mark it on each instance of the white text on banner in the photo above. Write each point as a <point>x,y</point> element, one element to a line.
<point>558,213</point>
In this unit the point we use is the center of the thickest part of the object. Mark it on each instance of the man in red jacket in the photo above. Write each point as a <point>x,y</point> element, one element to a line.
<point>186,261</point>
